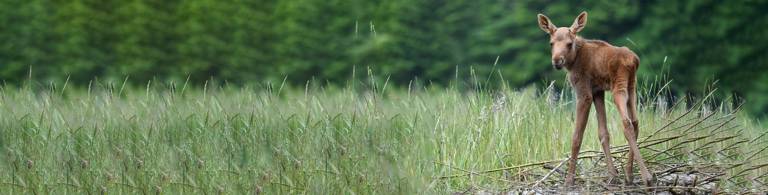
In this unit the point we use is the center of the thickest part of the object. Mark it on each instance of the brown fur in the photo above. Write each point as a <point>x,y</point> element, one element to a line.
<point>595,67</point>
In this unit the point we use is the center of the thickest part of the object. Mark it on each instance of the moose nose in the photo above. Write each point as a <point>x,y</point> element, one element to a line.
<point>558,64</point>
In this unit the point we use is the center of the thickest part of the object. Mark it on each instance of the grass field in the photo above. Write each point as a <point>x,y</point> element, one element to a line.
<point>362,138</point>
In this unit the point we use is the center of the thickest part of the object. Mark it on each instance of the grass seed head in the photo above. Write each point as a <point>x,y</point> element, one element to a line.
<point>109,177</point>
<point>139,164</point>
<point>84,164</point>
<point>221,190</point>
<point>343,151</point>
<point>103,190</point>
<point>165,177</point>
<point>200,164</point>
<point>258,190</point>
<point>118,153</point>
<point>158,190</point>
<point>265,176</point>
<point>30,164</point>
<point>10,153</point>
<point>277,152</point>
<point>297,164</point>
<point>362,178</point>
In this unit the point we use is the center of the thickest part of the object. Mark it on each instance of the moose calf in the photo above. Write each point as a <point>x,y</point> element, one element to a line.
<point>594,67</point>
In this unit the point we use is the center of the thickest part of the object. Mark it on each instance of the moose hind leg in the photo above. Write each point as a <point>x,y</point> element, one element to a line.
<point>633,118</point>
<point>636,124</point>
<point>620,98</point>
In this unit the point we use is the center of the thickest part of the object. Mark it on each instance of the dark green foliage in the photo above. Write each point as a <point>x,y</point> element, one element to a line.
<point>710,40</point>
<point>248,42</point>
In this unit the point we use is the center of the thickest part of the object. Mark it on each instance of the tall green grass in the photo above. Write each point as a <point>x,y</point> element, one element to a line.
<point>362,138</point>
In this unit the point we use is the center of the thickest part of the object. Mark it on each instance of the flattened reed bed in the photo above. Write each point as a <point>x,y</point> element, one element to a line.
<point>419,138</point>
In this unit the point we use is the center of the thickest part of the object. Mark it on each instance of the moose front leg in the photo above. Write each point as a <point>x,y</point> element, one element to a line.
<point>582,114</point>
<point>602,133</point>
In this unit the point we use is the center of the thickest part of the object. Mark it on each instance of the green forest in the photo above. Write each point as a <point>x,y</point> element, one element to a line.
<point>694,43</point>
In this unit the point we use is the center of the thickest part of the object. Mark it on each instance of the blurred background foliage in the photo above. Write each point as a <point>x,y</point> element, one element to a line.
<point>249,42</point>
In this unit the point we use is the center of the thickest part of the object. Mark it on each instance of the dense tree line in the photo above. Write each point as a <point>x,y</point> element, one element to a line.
<point>246,42</point>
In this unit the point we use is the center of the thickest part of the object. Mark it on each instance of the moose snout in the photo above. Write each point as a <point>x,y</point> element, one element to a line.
<point>558,63</point>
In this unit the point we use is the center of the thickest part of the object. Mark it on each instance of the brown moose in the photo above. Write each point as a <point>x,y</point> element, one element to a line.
<point>594,67</point>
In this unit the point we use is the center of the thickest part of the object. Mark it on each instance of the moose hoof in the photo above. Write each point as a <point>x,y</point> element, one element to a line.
<point>629,179</point>
<point>649,182</point>
<point>611,180</point>
<point>569,181</point>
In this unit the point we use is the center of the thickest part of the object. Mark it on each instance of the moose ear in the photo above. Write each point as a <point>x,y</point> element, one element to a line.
<point>546,25</point>
<point>580,22</point>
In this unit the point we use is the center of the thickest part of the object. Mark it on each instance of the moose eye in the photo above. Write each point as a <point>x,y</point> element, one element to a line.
<point>550,45</point>
<point>569,45</point>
